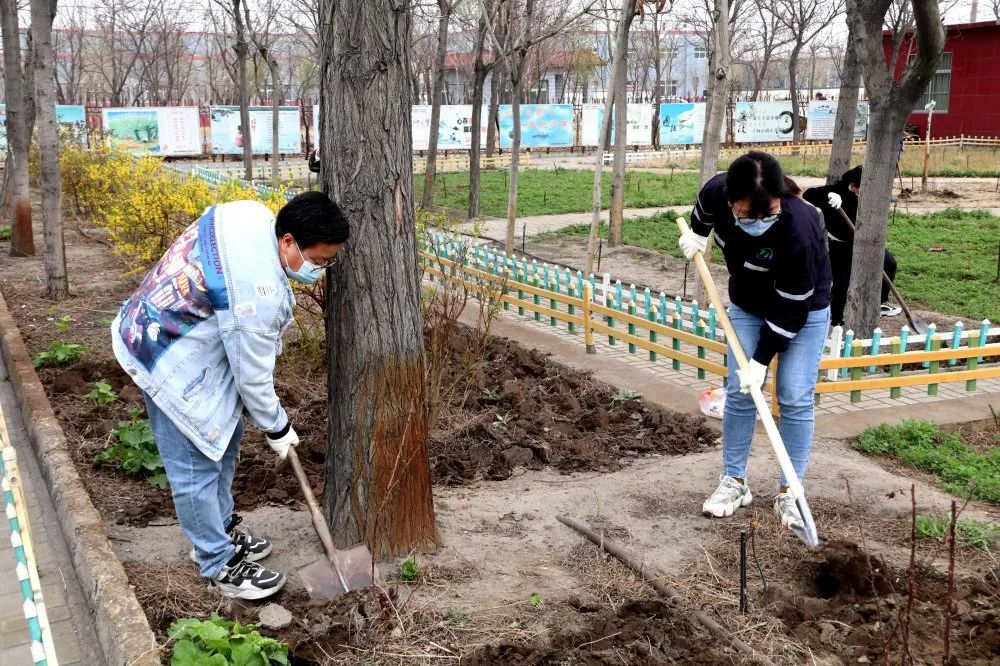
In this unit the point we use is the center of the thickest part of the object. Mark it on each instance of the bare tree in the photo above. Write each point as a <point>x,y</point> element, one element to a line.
<point>481,67</point>
<point>804,20</point>
<point>260,35</point>
<point>231,14</point>
<point>519,40</point>
<point>43,12</point>
<point>378,486</point>
<point>769,32</point>
<point>847,107</point>
<point>166,57</point>
<point>891,102</point>
<point>122,27</point>
<point>71,45</point>
<point>19,92</point>
<point>720,66</point>
<point>445,9</point>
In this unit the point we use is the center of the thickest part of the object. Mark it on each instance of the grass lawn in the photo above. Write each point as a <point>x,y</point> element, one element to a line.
<point>945,161</point>
<point>958,468</point>
<point>552,191</point>
<point>960,279</point>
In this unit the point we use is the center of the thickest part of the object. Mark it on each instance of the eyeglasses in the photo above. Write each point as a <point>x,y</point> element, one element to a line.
<point>324,266</point>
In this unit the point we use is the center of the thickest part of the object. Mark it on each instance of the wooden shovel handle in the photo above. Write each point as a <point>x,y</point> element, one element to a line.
<point>319,522</point>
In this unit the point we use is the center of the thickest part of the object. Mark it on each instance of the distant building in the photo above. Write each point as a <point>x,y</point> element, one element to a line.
<point>966,84</point>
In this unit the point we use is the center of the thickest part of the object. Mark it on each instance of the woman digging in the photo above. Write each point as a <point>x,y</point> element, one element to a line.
<point>779,293</point>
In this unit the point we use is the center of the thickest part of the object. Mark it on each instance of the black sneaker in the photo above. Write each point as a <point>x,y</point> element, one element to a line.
<point>243,579</point>
<point>255,548</point>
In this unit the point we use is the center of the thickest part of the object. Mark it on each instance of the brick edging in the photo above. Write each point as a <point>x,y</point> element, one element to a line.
<point>122,630</point>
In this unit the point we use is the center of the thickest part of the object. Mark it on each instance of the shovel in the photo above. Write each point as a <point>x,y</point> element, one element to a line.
<point>341,570</point>
<point>918,323</point>
<point>807,531</point>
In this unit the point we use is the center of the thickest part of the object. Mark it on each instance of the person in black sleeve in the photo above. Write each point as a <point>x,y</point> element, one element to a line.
<point>843,195</point>
<point>779,292</point>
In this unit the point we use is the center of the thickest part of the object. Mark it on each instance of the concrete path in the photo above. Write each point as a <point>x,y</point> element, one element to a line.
<point>69,618</point>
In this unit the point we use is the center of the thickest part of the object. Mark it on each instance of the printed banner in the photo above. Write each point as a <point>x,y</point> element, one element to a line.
<point>67,115</point>
<point>822,116</point>
<point>681,123</point>
<point>640,124</point>
<point>761,122</point>
<point>228,136</point>
<point>166,130</point>
<point>542,125</point>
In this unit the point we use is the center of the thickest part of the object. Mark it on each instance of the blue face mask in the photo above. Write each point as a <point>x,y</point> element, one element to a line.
<point>308,273</point>
<point>755,227</point>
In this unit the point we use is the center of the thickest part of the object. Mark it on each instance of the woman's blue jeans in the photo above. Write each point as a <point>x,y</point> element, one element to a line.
<point>797,372</point>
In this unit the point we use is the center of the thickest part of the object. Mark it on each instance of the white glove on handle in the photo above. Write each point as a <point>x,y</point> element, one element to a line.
<point>834,200</point>
<point>690,243</point>
<point>283,443</point>
<point>752,376</point>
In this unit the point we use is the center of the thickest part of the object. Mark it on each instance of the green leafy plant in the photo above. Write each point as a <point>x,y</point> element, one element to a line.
<point>535,600</point>
<point>457,617</point>
<point>219,642</point>
<point>4,232</point>
<point>409,571</point>
<point>621,396</point>
<point>503,420</point>
<point>60,353</point>
<point>968,533</point>
<point>102,394</point>
<point>958,468</point>
<point>63,324</point>
<point>135,451</point>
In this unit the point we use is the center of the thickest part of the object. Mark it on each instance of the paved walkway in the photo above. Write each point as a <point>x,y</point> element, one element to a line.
<point>495,228</point>
<point>69,619</point>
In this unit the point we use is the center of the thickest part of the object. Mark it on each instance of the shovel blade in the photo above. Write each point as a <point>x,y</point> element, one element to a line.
<point>347,570</point>
<point>806,532</point>
<point>920,326</point>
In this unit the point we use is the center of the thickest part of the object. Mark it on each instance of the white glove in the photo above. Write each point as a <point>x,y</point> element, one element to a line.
<point>283,443</point>
<point>691,243</point>
<point>834,200</point>
<point>752,376</point>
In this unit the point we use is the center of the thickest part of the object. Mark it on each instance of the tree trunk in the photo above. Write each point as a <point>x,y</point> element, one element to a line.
<point>617,211</point>
<point>476,150</point>
<point>719,82</point>
<point>275,116</point>
<point>432,142</point>
<point>515,160</point>
<point>847,109</point>
<point>597,203</point>
<point>17,195</point>
<point>496,83</point>
<point>44,62</point>
<point>378,487</point>
<point>793,89</point>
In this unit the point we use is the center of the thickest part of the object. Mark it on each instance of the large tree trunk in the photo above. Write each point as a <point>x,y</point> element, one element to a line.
<point>432,141</point>
<point>17,195</point>
<point>793,89</point>
<point>242,48</point>
<point>44,62</point>
<point>847,109</point>
<point>719,83</point>
<point>378,486</point>
<point>276,100</point>
<point>617,211</point>
<point>496,83</point>
<point>515,160</point>
<point>890,102</point>
<point>596,201</point>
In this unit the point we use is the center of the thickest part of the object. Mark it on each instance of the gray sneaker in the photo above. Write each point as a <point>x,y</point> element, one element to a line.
<point>243,579</point>
<point>729,496</point>
<point>785,508</point>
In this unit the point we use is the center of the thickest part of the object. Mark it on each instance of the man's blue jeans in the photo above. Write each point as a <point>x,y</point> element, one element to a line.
<point>202,489</point>
<point>797,372</point>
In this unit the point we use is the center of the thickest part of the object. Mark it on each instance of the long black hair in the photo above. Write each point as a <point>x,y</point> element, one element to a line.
<point>758,177</point>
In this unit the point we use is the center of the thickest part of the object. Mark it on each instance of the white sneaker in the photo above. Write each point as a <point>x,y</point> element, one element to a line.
<point>729,496</point>
<point>785,508</point>
<point>889,310</point>
<point>243,579</point>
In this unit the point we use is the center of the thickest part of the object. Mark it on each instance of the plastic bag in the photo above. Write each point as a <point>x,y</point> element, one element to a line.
<point>713,402</point>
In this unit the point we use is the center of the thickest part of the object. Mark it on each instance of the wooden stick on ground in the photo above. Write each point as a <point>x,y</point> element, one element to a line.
<point>651,577</point>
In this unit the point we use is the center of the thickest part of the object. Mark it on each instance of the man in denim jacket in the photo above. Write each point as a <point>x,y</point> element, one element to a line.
<point>200,337</point>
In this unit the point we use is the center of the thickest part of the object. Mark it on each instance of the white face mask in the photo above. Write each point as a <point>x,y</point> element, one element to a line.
<point>755,227</point>
<point>308,272</point>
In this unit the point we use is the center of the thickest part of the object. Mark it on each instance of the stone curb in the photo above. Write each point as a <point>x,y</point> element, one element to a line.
<point>123,632</point>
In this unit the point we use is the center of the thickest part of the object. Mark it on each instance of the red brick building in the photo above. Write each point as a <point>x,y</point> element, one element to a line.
<point>966,86</point>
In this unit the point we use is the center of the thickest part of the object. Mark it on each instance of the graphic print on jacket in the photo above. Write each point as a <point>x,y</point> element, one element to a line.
<point>176,295</point>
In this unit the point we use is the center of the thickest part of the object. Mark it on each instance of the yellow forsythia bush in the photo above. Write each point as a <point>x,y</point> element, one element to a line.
<point>143,206</point>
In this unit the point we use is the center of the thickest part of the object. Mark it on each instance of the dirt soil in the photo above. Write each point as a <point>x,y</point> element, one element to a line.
<point>526,440</point>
